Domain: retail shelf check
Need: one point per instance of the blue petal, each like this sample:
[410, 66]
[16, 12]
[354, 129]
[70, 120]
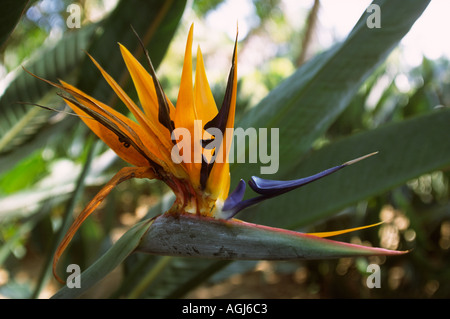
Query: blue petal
[234, 203]
[267, 189]
[232, 211]
[270, 188]
[235, 197]
[274, 187]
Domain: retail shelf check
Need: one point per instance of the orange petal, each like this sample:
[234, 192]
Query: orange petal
[130, 155]
[146, 145]
[123, 175]
[204, 101]
[185, 112]
[205, 106]
[123, 96]
[145, 89]
[343, 231]
[159, 146]
[218, 181]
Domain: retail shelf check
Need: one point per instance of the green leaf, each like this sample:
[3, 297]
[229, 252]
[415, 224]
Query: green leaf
[18, 122]
[67, 217]
[156, 26]
[107, 262]
[305, 105]
[181, 275]
[39, 139]
[10, 13]
[24, 174]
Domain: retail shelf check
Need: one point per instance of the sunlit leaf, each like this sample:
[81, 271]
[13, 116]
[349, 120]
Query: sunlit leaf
[305, 105]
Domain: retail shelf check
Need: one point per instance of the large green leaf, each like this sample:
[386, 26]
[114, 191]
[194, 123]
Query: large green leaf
[10, 13]
[156, 24]
[307, 103]
[18, 122]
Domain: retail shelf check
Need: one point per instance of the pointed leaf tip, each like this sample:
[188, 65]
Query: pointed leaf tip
[353, 161]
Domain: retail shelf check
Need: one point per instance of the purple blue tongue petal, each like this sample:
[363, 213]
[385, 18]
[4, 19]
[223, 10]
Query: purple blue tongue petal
[267, 188]
[275, 187]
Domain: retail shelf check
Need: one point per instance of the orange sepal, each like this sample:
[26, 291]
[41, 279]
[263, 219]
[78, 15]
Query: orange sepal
[219, 178]
[159, 142]
[124, 174]
[342, 231]
[145, 89]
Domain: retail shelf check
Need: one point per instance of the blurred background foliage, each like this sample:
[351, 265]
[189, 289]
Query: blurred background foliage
[51, 166]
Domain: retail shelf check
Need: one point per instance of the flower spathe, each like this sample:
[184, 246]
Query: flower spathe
[201, 187]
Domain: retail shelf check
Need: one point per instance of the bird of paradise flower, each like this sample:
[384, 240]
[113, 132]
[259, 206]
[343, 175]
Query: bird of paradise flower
[201, 220]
